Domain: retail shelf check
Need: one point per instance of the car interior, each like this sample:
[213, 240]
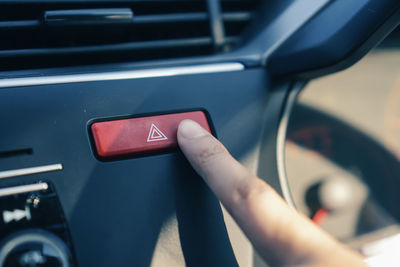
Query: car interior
[305, 94]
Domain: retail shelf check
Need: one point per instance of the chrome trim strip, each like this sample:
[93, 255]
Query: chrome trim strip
[281, 140]
[31, 170]
[23, 189]
[120, 75]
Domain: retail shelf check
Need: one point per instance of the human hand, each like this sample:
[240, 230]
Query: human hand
[281, 235]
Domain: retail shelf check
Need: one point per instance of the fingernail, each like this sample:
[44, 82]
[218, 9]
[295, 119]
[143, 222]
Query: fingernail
[190, 129]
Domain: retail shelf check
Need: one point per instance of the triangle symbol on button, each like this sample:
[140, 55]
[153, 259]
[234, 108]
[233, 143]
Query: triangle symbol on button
[155, 134]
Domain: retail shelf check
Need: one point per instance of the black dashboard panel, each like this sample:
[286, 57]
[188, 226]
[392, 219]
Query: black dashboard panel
[327, 44]
[131, 198]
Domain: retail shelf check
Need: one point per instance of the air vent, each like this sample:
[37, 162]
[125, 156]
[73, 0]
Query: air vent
[46, 33]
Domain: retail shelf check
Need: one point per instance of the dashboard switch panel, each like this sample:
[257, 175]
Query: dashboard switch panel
[141, 136]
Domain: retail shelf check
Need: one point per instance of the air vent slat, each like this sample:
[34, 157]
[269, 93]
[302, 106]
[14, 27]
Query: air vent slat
[138, 20]
[145, 19]
[158, 29]
[150, 45]
[170, 18]
[9, 25]
[236, 16]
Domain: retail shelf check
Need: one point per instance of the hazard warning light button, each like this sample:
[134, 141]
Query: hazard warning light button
[141, 136]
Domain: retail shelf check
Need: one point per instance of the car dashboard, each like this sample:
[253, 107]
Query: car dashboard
[74, 195]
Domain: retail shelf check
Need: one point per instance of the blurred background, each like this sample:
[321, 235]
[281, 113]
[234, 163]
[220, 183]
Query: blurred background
[343, 151]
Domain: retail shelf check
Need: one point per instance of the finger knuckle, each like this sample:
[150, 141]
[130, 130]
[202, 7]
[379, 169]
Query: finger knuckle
[250, 187]
[208, 153]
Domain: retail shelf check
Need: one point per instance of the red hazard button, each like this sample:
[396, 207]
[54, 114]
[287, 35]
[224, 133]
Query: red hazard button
[141, 136]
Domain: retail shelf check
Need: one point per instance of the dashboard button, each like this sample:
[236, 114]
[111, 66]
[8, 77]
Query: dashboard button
[141, 136]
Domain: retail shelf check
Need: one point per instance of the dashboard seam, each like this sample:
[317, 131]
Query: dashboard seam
[122, 75]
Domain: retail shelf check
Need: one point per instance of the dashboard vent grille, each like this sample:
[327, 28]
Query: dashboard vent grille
[157, 30]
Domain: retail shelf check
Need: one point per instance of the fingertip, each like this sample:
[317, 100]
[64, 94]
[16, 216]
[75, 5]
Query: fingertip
[189, 129]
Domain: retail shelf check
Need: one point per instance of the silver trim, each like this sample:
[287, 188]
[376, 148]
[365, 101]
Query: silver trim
[120, 75]
[23, 189]
[31, 170]
[281, 140]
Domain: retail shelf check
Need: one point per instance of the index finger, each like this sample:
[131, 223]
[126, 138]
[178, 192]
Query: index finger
[278, 232]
